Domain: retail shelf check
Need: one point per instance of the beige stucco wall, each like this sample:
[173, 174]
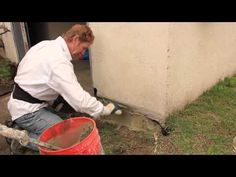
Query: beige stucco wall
[161, 66]
[200, 55]
[129, 63]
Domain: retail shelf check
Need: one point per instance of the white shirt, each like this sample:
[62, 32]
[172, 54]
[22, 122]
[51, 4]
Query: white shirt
[45, 72]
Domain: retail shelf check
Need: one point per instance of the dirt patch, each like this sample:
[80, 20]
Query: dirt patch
[5, 89]
[4, 115]
[6, 82]
[166, 146]
[201, 143]
[121, 140]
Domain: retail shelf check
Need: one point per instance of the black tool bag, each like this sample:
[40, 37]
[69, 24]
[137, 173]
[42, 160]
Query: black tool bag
[61, 105]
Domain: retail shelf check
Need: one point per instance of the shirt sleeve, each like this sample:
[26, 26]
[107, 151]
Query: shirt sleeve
[63, 80]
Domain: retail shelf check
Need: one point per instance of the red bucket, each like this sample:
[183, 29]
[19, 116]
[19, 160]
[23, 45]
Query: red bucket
[67, 135]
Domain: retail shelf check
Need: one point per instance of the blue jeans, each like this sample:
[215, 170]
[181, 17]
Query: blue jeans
[35, 123]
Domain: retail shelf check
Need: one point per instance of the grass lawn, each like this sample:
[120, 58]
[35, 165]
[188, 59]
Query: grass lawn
[206, 126]
[5, 70]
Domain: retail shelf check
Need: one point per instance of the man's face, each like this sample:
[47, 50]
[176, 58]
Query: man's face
[79, 49]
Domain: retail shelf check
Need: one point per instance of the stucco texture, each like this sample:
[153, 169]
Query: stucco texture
[160, 67]
[200, 55]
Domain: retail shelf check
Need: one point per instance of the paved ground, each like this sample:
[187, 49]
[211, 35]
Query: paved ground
[5, 89]
[83, 73]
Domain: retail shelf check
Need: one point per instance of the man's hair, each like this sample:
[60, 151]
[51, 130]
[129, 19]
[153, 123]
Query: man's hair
[84, 32]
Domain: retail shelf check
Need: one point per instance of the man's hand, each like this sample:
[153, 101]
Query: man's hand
[108, 109]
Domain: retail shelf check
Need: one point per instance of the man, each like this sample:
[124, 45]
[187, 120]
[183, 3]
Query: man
[46, 72]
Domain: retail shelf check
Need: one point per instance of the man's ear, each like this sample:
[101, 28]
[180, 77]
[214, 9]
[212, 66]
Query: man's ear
[77, 40]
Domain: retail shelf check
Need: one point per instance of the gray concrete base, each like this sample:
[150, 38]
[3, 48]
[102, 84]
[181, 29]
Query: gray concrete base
[133, 121]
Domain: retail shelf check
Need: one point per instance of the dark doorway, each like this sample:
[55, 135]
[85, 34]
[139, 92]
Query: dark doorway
[37, 32]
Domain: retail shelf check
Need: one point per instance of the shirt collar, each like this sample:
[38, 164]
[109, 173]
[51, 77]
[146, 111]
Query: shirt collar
[64, 46]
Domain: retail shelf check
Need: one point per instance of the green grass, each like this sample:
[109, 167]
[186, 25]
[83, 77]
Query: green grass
[208, 125]
[5, 70]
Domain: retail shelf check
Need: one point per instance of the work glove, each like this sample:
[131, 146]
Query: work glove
[107, 110]
[111, 108]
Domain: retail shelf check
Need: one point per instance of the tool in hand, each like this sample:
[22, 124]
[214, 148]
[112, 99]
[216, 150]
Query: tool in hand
[23, 138]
